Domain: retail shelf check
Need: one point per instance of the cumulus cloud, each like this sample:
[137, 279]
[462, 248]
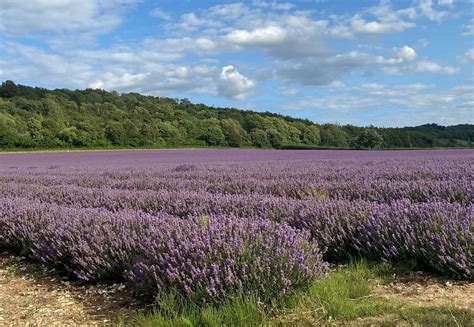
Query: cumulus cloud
[359, 25]
[44, 68]
[426, 9]
[324, 69]
[274, 5]
[406, 53]
[405, 104]
[405, 62]
[160, 13]
[110, 81]
[259, 36]
[295, 36]
[29, 17]
[233, 84]
[382, 19]
[426, 66]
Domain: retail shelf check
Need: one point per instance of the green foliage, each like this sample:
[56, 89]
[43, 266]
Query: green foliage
[234, 134]
[333, 135]
[275, 138]
[259, 138]
[8, 131]
[310, 134]
[211, 132]
[337, 294]
[40, 118]
[171, 312]
[345, 297]
[369, 139]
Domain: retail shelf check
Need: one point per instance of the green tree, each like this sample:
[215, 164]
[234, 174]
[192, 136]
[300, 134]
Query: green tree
[259, 138]
[8, 132]
[132, 133]
[310, 134]
[212, 132]
[34, 129]
[70, 135]
[276, 138]
[332, 135]
[115, 133]
[369, 139]
[170, 133]
[233, 132]
[9, 89]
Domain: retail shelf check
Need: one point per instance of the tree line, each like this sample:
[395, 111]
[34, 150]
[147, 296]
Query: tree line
[32, 117]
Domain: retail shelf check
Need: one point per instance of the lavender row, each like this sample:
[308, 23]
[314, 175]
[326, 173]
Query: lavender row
[204, 258]
[461, 191]
[382, 181]
[438, 235]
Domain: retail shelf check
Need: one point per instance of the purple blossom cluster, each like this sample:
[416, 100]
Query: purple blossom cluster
[203, 257]
[214, 223]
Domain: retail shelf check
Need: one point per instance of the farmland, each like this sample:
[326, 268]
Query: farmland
[212, 225]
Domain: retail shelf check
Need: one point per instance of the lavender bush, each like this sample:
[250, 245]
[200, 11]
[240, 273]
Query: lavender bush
[210, 258]
[204, 258]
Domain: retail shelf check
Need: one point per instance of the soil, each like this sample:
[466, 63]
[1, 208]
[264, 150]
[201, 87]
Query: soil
[34, 296]
[424, 289]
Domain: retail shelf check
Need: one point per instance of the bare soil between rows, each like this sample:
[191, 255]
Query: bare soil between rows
[33, 296]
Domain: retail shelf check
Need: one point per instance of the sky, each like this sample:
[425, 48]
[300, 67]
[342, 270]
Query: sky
[383, 63]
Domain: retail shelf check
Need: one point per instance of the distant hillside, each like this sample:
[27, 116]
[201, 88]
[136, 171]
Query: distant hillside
[40, 118]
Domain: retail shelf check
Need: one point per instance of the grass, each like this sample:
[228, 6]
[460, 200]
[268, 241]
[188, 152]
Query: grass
[170, 312]
[344, 297]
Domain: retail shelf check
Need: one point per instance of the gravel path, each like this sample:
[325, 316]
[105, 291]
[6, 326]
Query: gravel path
[424, 289]
[31, 296]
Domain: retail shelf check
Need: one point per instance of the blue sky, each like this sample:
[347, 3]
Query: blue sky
[386, 63]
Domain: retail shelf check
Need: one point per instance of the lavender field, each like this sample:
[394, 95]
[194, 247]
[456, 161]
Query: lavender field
[213, 223]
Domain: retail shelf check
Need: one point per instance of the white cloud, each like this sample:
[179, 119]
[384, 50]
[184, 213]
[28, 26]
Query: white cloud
[426, 66]
[295, 36]
[143, 70]
[445, 2]
[110, 81]
[160, 13]
[426, 9]
[383, 20]
[259, 36]
[359, 25]
[322, 70]
[274, 5]
[405, 104]
[469, 28]
[406, 63]
[470, 54]
[468, 57]
[44, 68]
[406, 53]
[30, 17]
[234, 85]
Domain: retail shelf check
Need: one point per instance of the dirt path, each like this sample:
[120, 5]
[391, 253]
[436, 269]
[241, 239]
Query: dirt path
[424, 289]
[31, 296]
